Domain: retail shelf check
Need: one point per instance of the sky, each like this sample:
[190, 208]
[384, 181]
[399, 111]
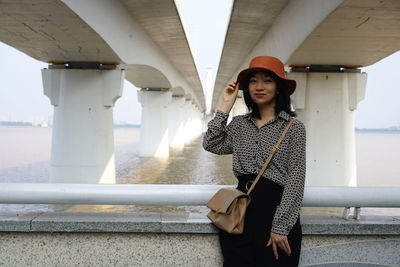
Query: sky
[21, 89]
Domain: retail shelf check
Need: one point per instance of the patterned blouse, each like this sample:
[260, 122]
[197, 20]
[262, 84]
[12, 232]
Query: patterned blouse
[251, 146]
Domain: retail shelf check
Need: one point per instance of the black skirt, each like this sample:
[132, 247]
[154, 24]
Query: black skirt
[250, 248]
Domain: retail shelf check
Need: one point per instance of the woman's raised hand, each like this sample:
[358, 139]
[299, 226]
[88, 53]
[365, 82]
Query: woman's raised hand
[229, 97]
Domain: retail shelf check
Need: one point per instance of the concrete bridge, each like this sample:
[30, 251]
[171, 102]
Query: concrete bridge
[92, 46]
[323, 44]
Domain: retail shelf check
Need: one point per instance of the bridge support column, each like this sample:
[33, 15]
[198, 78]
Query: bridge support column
[193, 122]
[196, 122]
[193, 127]
[176, 122]
[83, 136]
[239, 108]
[154, 124]
[206, 119]
[188, 126]
[201, 117]
[325, 102]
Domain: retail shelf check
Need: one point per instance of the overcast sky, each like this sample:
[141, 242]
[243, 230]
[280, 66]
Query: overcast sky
[22, 98]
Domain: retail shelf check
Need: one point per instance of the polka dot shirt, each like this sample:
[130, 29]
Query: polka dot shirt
[251, 147]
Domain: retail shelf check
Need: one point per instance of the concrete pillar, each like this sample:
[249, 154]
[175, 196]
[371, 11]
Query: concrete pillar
[154, 124]
[83, 139]
[193, 121]
[325, 103]
[239, 108]
[206, 119]
[176, 122]
[188, 129]
[197, 121]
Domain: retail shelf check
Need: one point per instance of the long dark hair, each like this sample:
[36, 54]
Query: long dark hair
[282, 100]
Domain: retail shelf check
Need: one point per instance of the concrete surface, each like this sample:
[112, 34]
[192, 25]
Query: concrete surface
[180, 239]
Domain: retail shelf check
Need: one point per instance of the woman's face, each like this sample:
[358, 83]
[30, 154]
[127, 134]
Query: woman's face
[262, 89]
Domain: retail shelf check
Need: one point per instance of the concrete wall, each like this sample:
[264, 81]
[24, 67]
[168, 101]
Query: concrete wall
[177, 249]
[180, 239]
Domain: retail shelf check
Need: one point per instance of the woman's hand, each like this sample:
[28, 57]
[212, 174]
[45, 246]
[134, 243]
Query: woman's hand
[229, 97]
[281, 241]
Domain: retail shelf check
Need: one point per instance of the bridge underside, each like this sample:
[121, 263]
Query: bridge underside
[326, 42]
[357, 33]
[146, 38]
[350, 33]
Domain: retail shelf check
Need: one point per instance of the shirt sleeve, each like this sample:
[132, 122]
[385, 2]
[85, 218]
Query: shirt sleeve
[218, 138]
[287, 211]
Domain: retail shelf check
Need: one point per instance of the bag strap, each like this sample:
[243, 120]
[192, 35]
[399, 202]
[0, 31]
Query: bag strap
[274, 149]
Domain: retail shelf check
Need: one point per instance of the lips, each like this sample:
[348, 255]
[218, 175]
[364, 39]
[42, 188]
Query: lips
[259, 95]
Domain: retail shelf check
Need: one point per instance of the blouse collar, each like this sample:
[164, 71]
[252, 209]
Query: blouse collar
[283, 114]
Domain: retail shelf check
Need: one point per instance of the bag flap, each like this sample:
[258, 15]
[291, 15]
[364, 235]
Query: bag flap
[222, 200]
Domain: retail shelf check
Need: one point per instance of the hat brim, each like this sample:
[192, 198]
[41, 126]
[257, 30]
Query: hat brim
[290, 84]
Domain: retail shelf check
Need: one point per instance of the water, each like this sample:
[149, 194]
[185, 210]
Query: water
[378, 161]
[26, 152]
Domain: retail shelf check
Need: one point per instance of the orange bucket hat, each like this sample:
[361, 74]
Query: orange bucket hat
[268, 63]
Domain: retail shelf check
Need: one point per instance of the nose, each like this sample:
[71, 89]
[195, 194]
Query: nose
[259, 85]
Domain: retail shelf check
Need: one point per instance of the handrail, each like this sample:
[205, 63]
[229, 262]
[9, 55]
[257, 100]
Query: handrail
[181, 195]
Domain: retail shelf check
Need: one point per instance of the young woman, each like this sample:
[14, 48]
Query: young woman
[272, 231]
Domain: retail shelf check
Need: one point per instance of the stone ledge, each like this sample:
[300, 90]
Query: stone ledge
[180, 223]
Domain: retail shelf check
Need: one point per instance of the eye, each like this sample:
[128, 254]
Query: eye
[267, 80]
[253, 80]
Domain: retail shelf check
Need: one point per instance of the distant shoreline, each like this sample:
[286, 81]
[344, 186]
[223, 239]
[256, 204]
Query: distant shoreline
[17, 123]
[126, 125]
[382, 130]
[29, 124]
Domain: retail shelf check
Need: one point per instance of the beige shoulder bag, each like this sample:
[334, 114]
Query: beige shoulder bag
[228, 206]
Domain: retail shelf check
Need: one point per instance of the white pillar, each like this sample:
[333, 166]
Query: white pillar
[325, 103]
[187, 107]
[204, 123]
[176, 122]
[239, 108]
[197, 120]
[206, 119]
[154, 124]
[83, 139]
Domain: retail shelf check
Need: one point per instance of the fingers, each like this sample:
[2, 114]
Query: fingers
[282, 243]
[285, 247]
[232, 86]
[275, 250]
[288, 250]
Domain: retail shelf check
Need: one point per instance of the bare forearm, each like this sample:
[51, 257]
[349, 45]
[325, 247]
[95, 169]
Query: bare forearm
[226, 107]
[229, 97]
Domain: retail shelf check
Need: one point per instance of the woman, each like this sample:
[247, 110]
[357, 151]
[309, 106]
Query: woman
[272, 232]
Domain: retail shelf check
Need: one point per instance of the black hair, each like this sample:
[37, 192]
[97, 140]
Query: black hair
[282, 100]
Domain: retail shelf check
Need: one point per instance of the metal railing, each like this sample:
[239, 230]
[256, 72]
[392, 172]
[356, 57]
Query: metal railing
[184, 195]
